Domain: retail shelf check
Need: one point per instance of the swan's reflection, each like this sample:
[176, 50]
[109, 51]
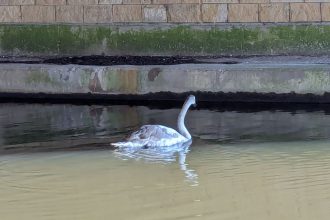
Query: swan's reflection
[165, 155]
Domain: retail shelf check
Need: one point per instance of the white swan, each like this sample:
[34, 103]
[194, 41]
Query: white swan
[159, 135]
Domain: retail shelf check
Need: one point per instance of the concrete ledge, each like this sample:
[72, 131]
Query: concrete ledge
[289, 82]
[164, 39]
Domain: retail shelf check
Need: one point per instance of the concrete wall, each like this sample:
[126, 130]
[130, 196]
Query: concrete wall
[212, 82]
[166, 11]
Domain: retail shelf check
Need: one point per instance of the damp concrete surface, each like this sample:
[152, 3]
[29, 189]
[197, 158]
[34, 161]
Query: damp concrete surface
[215, 79]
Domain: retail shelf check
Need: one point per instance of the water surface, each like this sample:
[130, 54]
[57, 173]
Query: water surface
[56, 163]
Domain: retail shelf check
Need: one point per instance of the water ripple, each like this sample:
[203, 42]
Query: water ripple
[165, 155]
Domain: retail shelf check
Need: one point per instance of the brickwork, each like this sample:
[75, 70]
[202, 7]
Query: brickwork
[164, 11]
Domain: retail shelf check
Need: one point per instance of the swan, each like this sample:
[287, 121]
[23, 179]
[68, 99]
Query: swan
[159, 135]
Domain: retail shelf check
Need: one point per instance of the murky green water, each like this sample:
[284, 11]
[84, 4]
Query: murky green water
[56, 163]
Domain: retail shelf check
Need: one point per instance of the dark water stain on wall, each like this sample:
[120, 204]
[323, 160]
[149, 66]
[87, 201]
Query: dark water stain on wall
[153, 73]
[94, 84]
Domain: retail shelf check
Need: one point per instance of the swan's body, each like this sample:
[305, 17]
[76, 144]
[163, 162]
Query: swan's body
[153, 136]
[159, 135]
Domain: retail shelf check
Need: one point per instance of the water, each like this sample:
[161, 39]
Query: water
[56, 163]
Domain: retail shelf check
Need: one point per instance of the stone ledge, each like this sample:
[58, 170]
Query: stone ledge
[290, 82]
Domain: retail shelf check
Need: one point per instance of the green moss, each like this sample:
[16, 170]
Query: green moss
[179, 40]
[317, 80]
[29, 38]
[85, 77]
[301, 39]
[112, 81]
[183, 40]
[37, 77]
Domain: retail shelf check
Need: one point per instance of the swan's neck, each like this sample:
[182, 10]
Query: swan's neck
[181, 126]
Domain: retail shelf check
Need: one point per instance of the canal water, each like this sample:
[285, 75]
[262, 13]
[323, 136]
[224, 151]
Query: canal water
[56, 163]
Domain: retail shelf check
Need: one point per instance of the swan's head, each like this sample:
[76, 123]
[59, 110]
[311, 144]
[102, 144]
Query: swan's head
[191, 100]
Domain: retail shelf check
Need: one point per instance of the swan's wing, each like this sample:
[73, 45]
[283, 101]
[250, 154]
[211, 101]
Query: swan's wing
[155, 132]
[156, 135]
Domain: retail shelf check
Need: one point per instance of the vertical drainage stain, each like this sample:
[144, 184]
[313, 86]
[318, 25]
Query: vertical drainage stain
[94, 84]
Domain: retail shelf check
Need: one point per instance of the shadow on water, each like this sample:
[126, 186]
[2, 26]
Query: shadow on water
[35, 128]
[30, 128]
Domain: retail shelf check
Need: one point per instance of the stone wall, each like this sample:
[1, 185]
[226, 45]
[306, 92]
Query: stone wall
[163, 11]
[290, 81]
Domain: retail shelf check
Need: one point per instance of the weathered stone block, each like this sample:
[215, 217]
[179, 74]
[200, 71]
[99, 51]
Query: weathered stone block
[214, 12]
[190, 1]
[325, 11]
[82, 2]
[166, 1]
[110, 2]
[51, 2]
[243, 12]
[16, 2]
[184, 13]
[317, 1]
[220, 1]
[38, 14]
[305, 12]
[70, 13]
[154, 13]
[127, 13]
[253, 1]
[274, 12]
[10, 14]
[98, 14]
[284, 1]
[143, 2]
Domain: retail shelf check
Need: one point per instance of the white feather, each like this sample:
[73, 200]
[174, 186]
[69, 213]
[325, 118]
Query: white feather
[153, 136]
[159, 135]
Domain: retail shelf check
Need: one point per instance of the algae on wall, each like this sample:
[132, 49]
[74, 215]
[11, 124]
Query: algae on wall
[76, 40]
[36, 77]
